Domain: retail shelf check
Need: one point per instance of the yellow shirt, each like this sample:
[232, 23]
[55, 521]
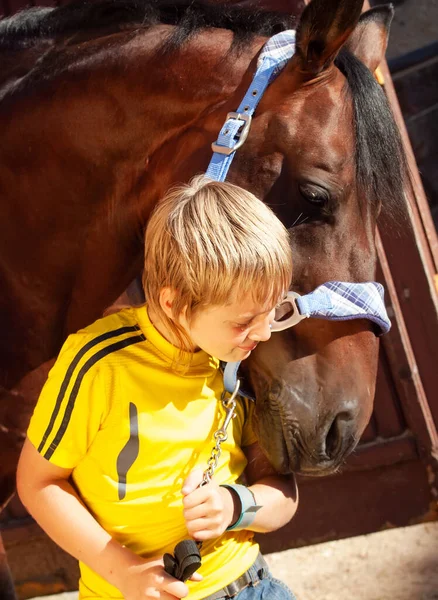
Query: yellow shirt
[132, 425]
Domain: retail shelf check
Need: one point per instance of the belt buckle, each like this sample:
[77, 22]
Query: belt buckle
[245, 580]
[232, 589]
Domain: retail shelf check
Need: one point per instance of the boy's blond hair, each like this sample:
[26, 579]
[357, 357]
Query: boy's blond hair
[213, 243]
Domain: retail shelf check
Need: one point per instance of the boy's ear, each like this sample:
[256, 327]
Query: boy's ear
[167, 297]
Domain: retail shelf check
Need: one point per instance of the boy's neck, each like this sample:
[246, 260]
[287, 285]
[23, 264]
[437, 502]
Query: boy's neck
[161, 327]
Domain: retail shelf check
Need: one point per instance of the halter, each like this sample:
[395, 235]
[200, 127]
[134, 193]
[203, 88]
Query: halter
[338, 301]
[334, 300]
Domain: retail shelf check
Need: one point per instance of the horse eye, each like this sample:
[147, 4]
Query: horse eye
[314, 194]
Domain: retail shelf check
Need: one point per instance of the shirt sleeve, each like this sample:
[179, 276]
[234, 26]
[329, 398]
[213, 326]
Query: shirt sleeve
[248, 435]
[71, 407]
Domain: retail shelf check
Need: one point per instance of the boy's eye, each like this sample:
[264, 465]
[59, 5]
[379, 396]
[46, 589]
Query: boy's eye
[243, 325]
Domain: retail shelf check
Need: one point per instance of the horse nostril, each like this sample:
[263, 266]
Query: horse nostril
[332, 440]
[337, 433]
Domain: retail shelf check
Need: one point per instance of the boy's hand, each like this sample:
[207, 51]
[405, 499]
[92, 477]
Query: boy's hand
[208, 510]
[148, 580]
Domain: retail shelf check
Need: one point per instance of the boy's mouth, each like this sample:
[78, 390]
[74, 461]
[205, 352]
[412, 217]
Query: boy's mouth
[248, 348]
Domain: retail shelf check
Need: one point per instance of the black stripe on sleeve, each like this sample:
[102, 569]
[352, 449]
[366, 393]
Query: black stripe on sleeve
[75, 390]
[101, 338]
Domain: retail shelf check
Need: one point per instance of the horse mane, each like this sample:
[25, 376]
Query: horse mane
[29, 26]
[381, 164]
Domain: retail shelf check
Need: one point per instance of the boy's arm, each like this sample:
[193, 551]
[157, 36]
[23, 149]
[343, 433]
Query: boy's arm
[210, 509]
[276, 494]
[46, 492]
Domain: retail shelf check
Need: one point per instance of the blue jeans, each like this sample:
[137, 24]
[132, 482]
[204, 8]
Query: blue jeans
[263, 587]
[267, 589]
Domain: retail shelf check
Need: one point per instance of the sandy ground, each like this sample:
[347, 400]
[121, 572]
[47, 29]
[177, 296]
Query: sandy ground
[398, 564]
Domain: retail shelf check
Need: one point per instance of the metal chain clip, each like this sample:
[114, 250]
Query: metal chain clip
[187, 554]
[221, 435]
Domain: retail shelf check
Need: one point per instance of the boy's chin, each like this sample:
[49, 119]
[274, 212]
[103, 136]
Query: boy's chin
[235, 355]
[239, 354]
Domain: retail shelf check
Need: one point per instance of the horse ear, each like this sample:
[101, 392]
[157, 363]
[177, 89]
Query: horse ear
[369, 40]
[323, 28]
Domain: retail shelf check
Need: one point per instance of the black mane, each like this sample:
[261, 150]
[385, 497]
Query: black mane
[29, 26]
[381, 164]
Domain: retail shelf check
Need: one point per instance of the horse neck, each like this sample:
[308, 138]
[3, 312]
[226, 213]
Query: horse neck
[185, 95]
[202, 74]
[163, 110]
[132, 122]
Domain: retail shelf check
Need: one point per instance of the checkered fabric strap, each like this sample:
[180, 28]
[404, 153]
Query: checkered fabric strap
[342, 301]
[273, 57]
[335, 301]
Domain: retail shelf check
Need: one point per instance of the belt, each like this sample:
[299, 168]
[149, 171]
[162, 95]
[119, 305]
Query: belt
[258, 571]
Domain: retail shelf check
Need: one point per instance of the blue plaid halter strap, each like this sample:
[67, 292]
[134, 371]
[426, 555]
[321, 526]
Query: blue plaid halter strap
[334, 300]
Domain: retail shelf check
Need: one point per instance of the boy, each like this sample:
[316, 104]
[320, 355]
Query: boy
[131, 405]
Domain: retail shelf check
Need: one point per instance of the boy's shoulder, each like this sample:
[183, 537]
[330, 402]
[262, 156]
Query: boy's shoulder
[124, 318]
[102, 338]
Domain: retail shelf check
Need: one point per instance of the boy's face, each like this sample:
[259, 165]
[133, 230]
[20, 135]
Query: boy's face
[230, 332]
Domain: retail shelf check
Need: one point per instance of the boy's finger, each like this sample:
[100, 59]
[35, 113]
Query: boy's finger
[196, 577]
[197, 512]
[196, 497]
[175, 588]
[197, 525]
[192, 481]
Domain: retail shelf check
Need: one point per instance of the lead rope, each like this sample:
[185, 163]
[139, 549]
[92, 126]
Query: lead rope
[186, 558]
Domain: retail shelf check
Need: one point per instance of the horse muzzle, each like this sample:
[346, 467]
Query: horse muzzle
[297, 435]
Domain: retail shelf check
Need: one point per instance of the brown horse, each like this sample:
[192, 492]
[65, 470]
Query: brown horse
[115, 103]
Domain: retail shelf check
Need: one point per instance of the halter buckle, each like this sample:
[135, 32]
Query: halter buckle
[296, 316]
[242, 134]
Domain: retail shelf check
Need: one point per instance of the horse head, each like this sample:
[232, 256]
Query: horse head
[327, 159]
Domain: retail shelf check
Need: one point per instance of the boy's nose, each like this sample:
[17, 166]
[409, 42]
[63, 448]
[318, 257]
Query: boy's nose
[261, 332]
